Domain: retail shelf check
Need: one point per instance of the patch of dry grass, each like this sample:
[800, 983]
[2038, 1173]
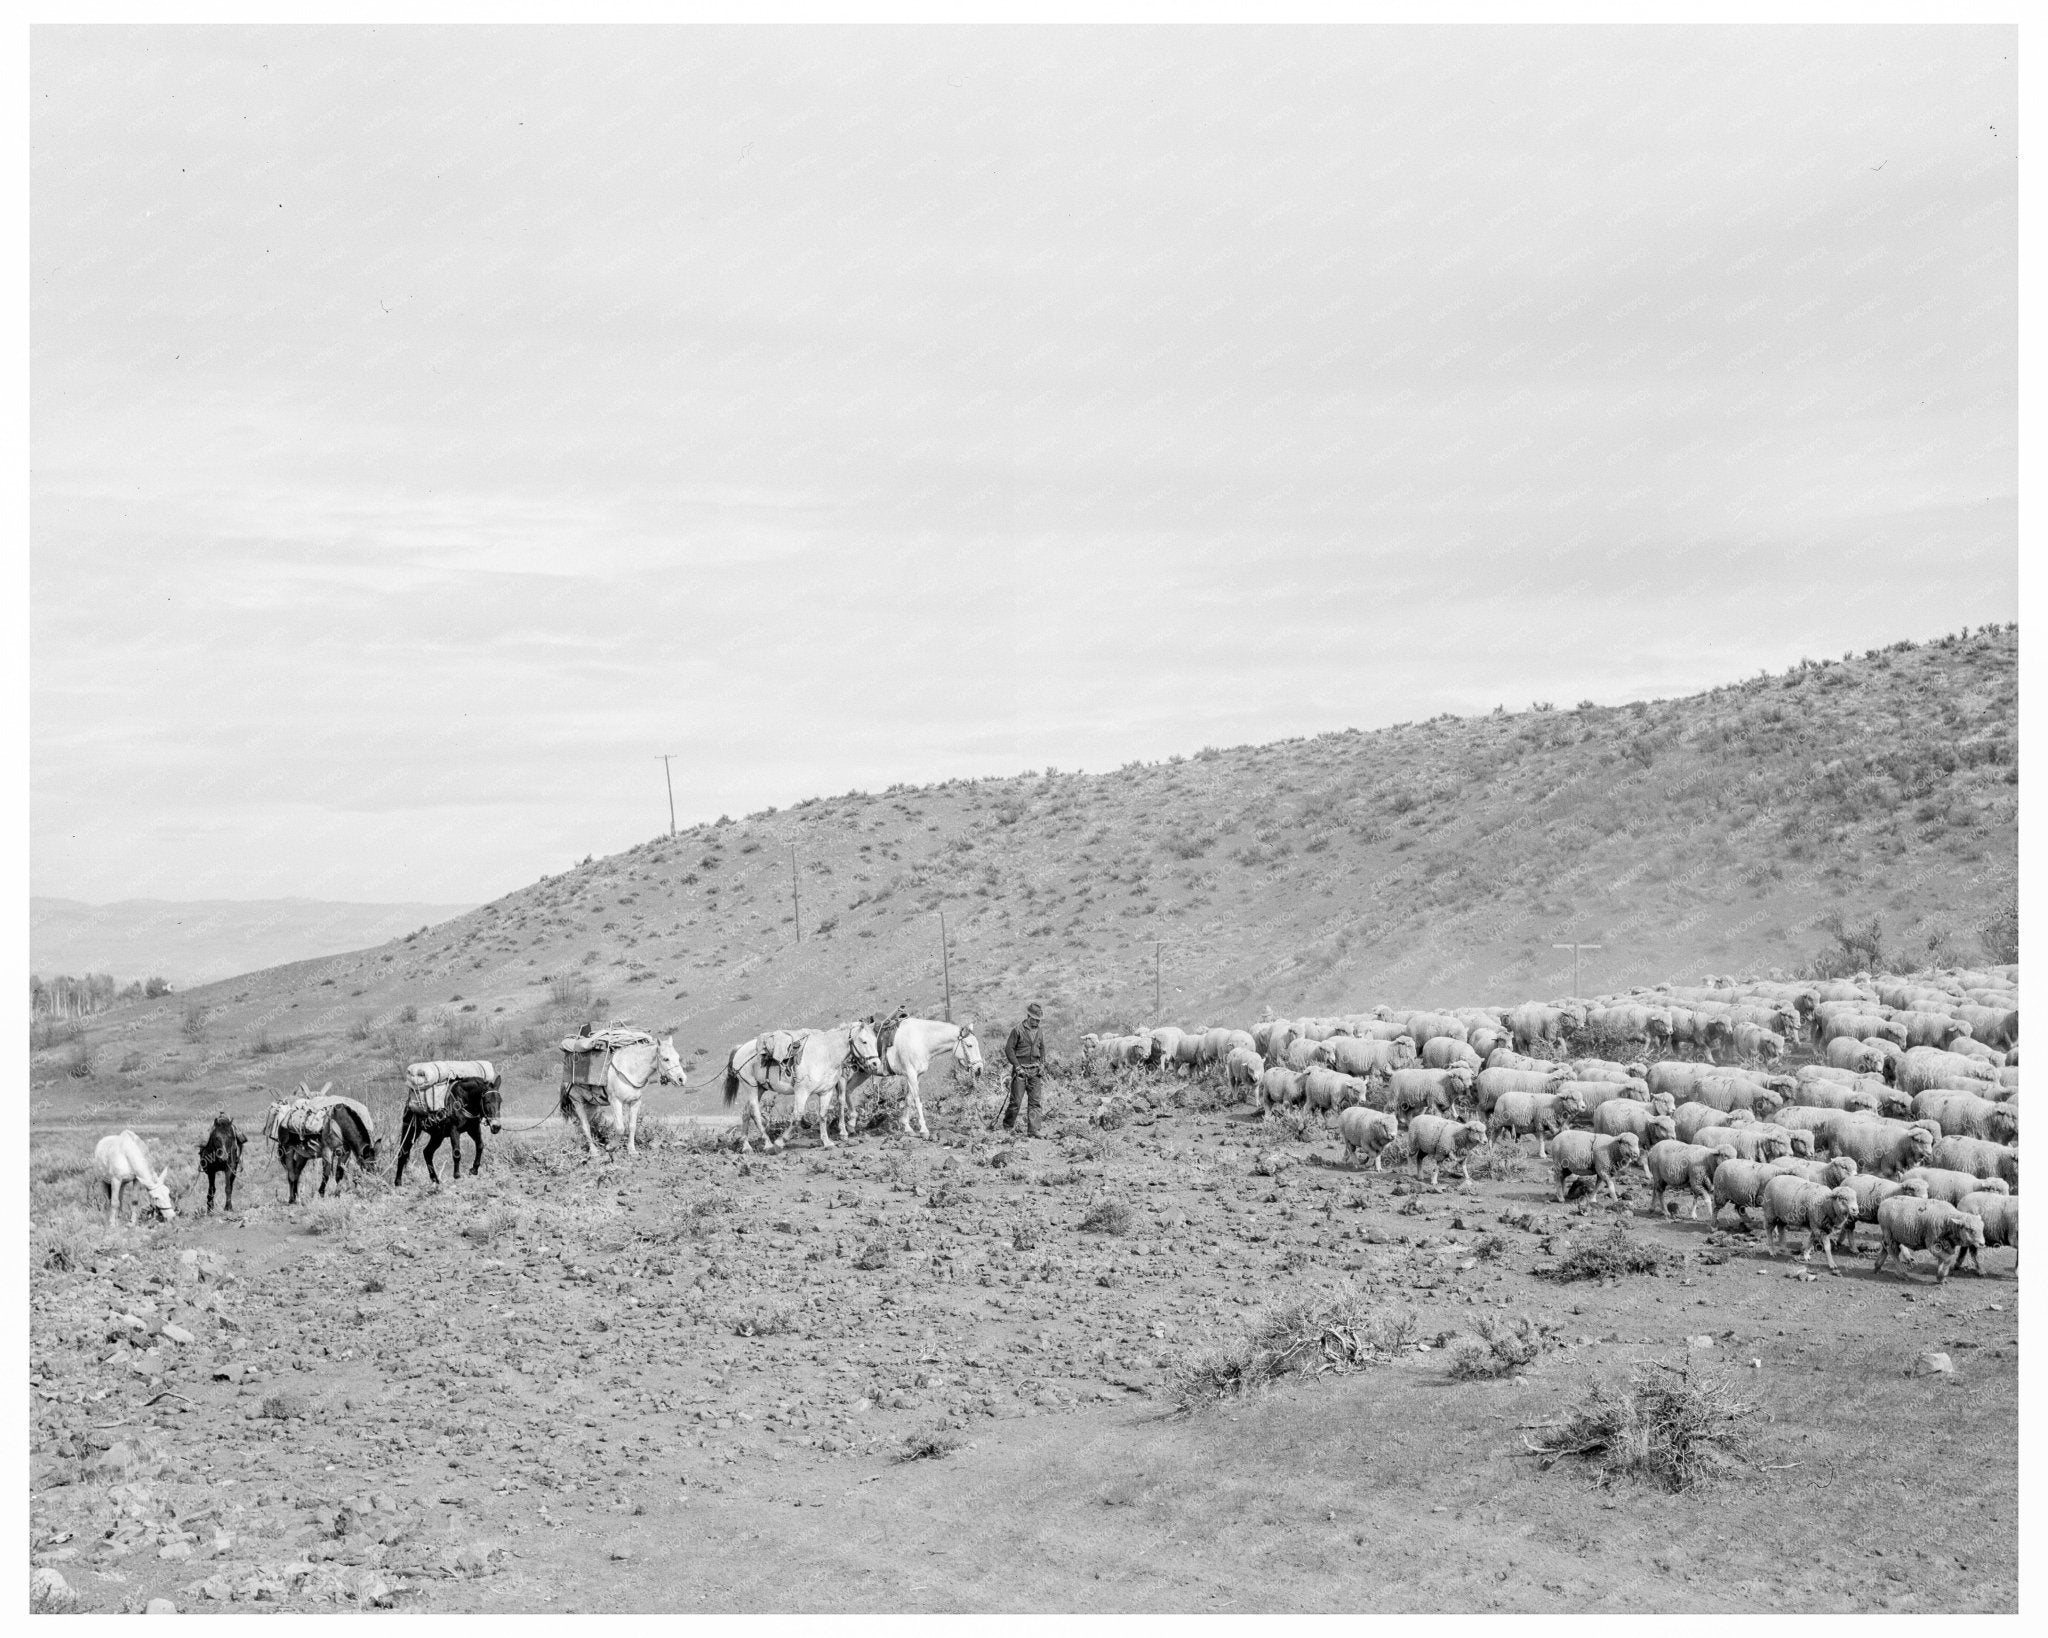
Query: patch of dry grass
[1338, 1332]
[1673, 1425]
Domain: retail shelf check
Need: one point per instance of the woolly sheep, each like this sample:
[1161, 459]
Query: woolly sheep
[1587, 1155]
[1933, 1226]
[2001, 1216]
[1365, 1132]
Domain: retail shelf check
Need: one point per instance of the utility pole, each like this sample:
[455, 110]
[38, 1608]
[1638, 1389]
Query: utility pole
[1155, 979]
[1575, 949]
[793, 899]
[945, 966]
[669, 780]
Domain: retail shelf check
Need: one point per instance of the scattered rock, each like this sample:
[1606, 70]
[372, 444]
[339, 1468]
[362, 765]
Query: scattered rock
[160, 1606]
[49, 1590]
[1934, 1365]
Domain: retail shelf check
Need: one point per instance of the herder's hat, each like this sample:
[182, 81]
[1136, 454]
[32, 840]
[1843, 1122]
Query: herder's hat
[1034, 1011]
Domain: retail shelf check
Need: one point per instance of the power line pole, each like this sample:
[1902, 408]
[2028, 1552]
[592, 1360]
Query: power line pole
[945, 966]
[669, 780]
[1155, 978]
[1575, 949]
[793, 899]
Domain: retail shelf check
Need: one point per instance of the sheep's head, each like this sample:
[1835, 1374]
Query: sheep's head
[1773, 1146]
[1662, 1103]
[1966, 1228]
[1626, 1148]
[1801, 1141]
[1841, 1207]
[1919, 1145]
[1469, 1135]
[1659, 1129]
[1839, 1170]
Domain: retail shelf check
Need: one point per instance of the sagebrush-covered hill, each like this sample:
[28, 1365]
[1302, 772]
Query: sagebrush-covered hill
[1428, 862]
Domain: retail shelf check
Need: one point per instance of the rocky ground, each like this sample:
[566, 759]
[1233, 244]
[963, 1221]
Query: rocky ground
[941, 1375]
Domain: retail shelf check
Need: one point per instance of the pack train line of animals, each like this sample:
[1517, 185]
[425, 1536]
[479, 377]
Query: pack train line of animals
[1905, 1114]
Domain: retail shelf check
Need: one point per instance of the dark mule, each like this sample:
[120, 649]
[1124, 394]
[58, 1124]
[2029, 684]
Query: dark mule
[221, 1153]
[342, 1139]
[470, 1104]
[295, 1152]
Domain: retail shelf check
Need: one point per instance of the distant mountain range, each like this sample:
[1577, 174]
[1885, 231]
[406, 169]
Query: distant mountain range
[203, 940]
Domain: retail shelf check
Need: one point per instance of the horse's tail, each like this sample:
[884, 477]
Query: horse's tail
[732, 1077]
[565, 1106]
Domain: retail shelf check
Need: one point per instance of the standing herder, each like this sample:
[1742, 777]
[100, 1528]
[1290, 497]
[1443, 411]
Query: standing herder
[1025, 1049]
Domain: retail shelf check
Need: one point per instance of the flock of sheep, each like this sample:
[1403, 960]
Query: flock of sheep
[1902, 1110]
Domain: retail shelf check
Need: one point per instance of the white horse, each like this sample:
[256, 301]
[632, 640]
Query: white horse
[627, 1072]
[121, 1159]
[918, 1041]
[822, 1058]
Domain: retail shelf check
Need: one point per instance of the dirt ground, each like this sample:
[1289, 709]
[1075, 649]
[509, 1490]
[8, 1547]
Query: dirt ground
[690, 1379]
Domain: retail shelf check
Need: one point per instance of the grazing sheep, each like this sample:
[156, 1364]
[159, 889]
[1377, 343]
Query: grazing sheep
[1437, 1090]
[1995, 1026]
[1689, 1166]
[1619, 1115]
[1980, 1159]
[1792, 1202]
[1739, 1183]
[1538, 1114]
[1964, 1114]
[1604, 1069]
[2001, 1215]
[1886, 1147]
[1872, 1192]
[1440, 1052]
[1926, 1069]
[1755, 1141]
[1798, 1140]
[1534, 1024]
[1351, 1056]
[1690, 1119]
[1301, 1053]
[1366, 1132]
[1164, 1050]
[1677, 1078]
[1930, 1029]
[1243, 1067]
[1435, 1139]
[1324, 1091]
[1578, 1156]
[1592, 1094]
[1845, 1052]
[1833, 1173]
[120, 1159]
[1819, 1094]
[1933, 1226]
[1755, 1041]
[1730, 1091]
[1941, 1183]
[1490, 1083]
[1278, 1088]
[1504, 1058]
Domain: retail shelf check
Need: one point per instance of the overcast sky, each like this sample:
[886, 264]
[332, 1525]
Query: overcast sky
[431, 427]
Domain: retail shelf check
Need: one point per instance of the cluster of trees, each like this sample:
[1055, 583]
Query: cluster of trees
[66, 996]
